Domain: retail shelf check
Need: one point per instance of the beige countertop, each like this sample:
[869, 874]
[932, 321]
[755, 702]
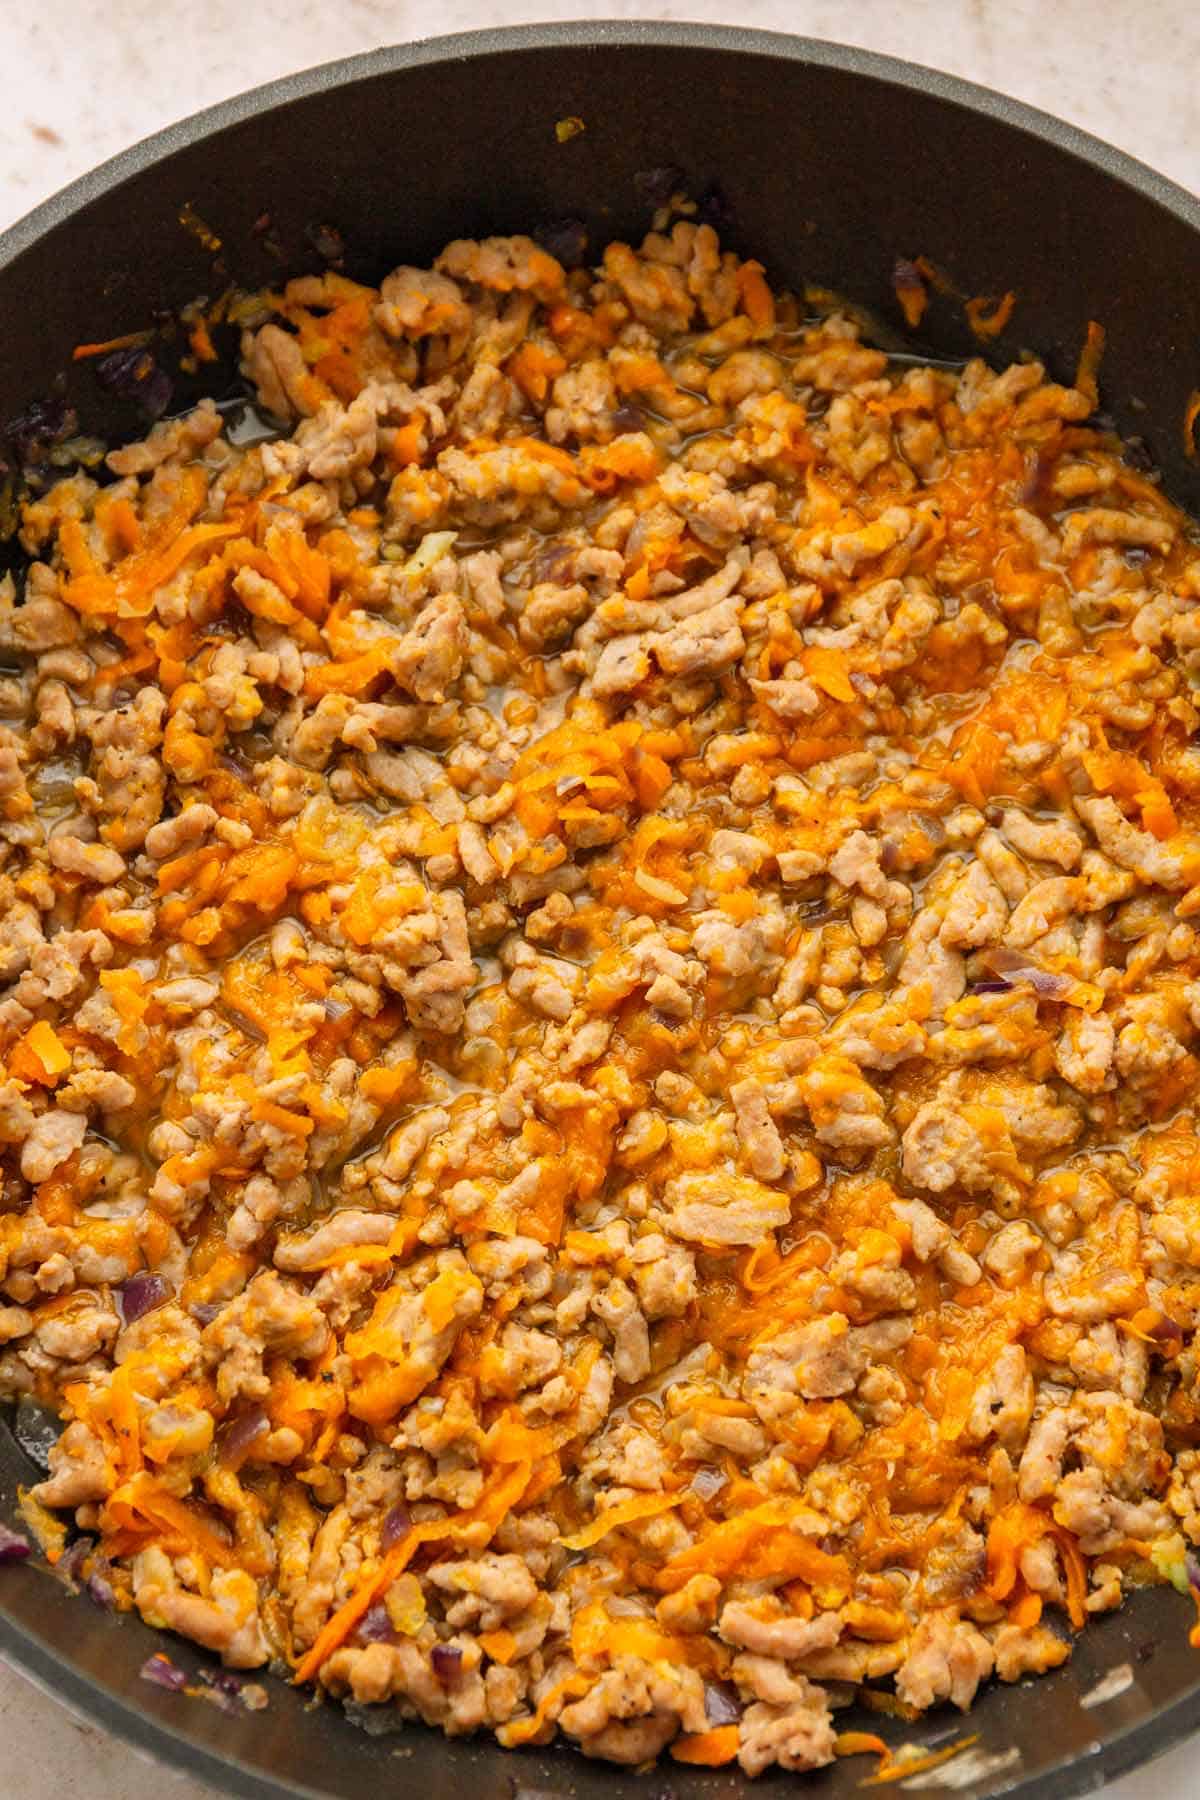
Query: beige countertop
[82, 82]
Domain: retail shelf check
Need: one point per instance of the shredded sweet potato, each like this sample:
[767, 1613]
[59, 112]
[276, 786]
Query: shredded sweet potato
[601, 1006]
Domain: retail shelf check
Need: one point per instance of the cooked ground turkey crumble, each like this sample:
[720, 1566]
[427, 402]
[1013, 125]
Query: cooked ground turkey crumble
[600, 1010]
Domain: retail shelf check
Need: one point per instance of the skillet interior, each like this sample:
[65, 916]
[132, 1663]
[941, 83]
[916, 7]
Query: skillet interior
[831, 163]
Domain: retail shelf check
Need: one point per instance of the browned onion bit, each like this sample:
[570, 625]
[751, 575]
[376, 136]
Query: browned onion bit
[70, 1564]
[141, 1294]
[328, 243]
[1192, 1565]
[707, 1482]
[656, 186]
[721, 1703]
[375, 1626]
[161, 1672]
[13, 1547]
[224, 1687]
[1036, 467]
[552, 561]
[446, 1661]
[395, 1524]
[98, 1588]
[1015, 966]
[134, 375]
[714, 207]
[1168, 1335]
[906, 279]
[44, 422]
[566, 240]
[239, 1435]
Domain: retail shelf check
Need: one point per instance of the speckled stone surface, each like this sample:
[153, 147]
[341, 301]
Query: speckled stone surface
[82, 82]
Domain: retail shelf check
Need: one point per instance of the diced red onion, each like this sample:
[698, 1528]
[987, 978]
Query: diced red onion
[98, 1588]
[996, 986]
[1168, 1334]
[1000, 960]
[141, 1294]
[1049, 984]
[552, 561]
[1136, 453]
[134, 375]
[96, 1584]
[446, 1661]
[161, 1672]
[204, 1312]
[44, 422]
[713, 207]
[375, 1626]
[328, 243]
[13, 1547]
[224, 1687]
[629, 418]
[395, 1524]
[70, 1563]
[721, 1703]
[1035, 474]
[906, 277]
[565, 239]
[656, 186]
[1014, 965]
[707, 1482]
[1192, 1565]
[223, 1702]
[239, 1435]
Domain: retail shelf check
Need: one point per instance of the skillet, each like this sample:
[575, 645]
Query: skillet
[828, 163]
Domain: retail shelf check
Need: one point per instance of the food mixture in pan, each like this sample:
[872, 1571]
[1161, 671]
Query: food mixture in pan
[602, 996]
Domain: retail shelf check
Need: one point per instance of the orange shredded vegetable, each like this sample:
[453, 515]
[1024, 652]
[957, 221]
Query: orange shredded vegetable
[128, 341]
[987, 317]
[1190, 416]
[707, 1749]
[899, 1767]
[626, 1512]
[497, 1502]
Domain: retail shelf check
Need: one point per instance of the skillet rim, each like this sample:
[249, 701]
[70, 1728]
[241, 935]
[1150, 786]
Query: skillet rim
[127, 1717]
[1119, 165]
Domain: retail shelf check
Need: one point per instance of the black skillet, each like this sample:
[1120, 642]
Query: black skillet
[827, 163]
